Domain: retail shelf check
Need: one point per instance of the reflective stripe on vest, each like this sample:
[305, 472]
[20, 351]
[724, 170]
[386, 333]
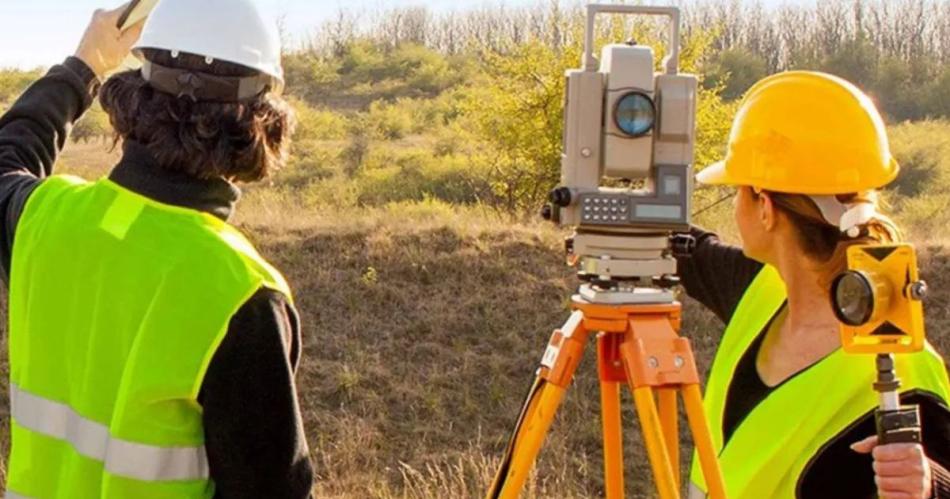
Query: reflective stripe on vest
[770, 449]
[117, 306]
[92, 439]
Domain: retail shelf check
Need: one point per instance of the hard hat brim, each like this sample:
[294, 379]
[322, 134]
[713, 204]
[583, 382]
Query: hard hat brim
[715, 174]
[718, 174]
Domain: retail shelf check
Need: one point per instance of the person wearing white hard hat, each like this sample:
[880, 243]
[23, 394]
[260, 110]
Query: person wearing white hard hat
[152, 349]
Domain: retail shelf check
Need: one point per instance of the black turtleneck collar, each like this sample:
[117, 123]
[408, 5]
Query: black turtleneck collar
[138, 172]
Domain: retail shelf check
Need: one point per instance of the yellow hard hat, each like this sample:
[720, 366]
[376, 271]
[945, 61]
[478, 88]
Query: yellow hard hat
[804, 132]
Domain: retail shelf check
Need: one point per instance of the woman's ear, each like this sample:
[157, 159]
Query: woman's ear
[767, 212]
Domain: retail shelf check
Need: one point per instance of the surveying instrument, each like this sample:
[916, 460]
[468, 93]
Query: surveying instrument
[624, 125]
[878, 301]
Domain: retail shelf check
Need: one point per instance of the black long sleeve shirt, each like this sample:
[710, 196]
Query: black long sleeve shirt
[253, 429]
[717, 275]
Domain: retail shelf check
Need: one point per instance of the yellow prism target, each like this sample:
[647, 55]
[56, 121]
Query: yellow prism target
[879, 300]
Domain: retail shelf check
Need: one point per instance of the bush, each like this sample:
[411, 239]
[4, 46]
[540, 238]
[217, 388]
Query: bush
[735, 71]
[311, 78]
[357, 147]
[424, 71]
[921, 194]
[311, 160]
[336, 192]
[317, 124]
[405, 116]
[14, 82]
[94, 125]
[390, 121]
[417, 176]
[365, 70]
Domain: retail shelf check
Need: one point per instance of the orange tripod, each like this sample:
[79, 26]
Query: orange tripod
[638, 345]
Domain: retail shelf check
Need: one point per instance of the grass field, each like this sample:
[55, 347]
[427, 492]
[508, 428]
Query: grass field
[427, 292]
[423, 325]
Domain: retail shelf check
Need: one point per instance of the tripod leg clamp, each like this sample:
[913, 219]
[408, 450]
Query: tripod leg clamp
[899, 426]
[564, 352]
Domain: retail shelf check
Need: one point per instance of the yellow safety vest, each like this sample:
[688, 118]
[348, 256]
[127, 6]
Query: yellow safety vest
[117, 306]
[769, 450]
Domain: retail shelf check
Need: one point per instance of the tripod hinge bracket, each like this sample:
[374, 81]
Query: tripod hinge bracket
[565, 351]
[661, 362]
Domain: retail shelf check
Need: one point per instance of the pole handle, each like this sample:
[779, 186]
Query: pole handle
[898, 426]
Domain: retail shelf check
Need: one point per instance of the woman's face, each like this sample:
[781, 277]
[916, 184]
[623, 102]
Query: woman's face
[752, 223]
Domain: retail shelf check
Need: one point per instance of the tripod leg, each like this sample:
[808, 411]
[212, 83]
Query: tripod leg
[527, 441]
[693, 400]
[669, 418]
[613, 439]
[655, 442]
[611, 374]
[560, 360]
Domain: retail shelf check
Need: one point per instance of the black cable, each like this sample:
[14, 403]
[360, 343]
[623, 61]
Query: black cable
[716, 203]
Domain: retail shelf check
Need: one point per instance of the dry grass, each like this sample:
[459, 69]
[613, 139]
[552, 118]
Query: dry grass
[423, 326]
[90, 160]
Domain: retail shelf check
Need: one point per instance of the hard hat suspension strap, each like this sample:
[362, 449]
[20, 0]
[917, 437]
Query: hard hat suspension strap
[204, 87]
[847, 217]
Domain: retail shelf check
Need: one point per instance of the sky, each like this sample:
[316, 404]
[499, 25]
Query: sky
[43, 32]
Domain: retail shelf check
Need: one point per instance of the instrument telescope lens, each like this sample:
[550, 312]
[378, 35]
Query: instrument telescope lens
[635, 114]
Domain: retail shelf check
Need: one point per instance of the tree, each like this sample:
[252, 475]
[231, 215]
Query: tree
[14, 82]
[94, 125]
[515, 116]
[735, 71]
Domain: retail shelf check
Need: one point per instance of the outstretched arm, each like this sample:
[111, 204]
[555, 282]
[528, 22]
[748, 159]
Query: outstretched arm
[716, 274]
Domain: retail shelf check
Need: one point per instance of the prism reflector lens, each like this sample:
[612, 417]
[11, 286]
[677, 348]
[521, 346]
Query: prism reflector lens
[853, 298]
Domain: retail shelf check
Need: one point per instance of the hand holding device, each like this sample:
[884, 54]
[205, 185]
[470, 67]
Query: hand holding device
[105, 45]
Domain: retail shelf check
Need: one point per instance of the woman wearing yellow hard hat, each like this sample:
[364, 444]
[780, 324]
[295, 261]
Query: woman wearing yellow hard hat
[791, 414]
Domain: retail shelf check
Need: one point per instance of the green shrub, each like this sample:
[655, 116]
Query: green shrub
[311, 160]
[336, 192]
[735, 70]
[397, 119]
[317, 124]
[314, 79]
[390, 121]
[94, 125]
[358, 145]
[14, 82]
[921, 194]
[417, 176]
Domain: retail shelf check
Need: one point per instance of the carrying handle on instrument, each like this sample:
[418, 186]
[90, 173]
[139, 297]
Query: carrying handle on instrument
[671, 62]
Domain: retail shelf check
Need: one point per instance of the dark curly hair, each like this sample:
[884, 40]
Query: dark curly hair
[240, 141]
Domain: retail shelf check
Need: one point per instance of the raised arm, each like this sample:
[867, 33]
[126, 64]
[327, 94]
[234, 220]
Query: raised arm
[35, 129]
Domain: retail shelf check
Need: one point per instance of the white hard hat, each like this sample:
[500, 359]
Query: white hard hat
[235, 31]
